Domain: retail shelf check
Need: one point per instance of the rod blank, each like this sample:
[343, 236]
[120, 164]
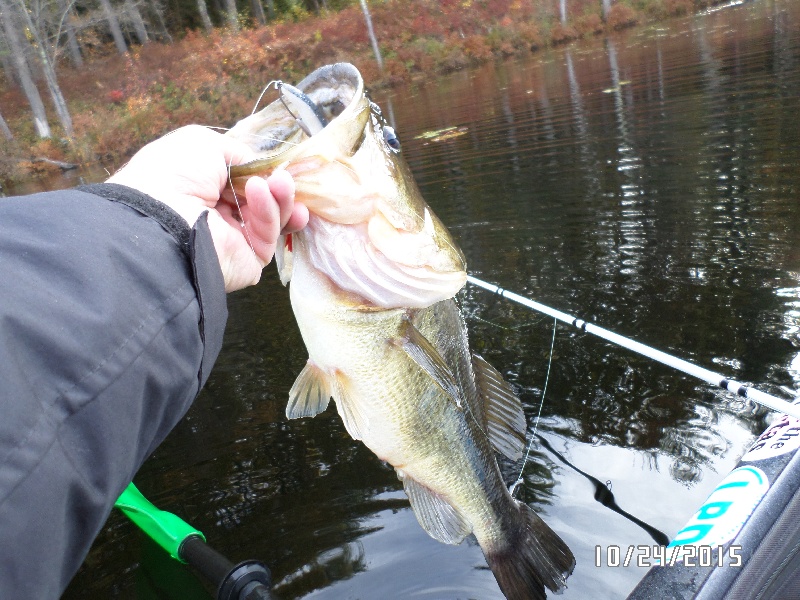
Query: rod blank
[735, 387]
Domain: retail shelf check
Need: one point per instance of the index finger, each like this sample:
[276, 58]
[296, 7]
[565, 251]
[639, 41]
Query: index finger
[235, 151]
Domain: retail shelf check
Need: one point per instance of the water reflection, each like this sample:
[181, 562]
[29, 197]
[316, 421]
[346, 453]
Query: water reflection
[603, 494]
[647, 183]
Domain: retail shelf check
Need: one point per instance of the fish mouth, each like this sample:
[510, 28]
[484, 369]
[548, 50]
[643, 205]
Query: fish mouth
[346, 164]
[326, 181]
[275, 133]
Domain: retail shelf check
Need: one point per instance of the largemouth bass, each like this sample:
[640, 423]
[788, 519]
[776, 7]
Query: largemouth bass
[373, 277]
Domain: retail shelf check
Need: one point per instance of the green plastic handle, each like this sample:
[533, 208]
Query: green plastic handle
[166, 529]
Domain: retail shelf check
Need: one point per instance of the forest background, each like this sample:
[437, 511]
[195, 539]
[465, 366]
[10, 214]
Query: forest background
[88, 81]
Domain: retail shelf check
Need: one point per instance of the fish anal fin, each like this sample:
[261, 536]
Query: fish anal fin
[355, 422]
[422, 352]
[311, 392]
[436, 516]
[504, 416]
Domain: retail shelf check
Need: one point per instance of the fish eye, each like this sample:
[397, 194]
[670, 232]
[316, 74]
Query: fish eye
[391, 138]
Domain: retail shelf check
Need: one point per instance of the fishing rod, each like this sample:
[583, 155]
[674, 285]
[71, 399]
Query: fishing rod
[248, 580]
[730, 385]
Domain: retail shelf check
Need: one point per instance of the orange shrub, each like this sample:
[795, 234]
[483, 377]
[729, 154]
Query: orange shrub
[14, 104]
[48, 148]
[476, 48]
[395, 70]
[589, 24]
[561, 34]
[530, 34]
[369, 69]
[497, 7]
[426, 63]
[679, 7]
[425, 25]
[452, 57]
[621, 16]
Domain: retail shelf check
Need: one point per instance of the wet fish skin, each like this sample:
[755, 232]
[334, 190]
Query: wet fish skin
[441, 452]
[373, 278]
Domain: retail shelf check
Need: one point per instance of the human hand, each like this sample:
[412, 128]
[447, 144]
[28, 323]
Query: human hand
[187, 171]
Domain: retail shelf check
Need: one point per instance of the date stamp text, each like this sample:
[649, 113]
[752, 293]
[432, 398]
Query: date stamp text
[652, 556]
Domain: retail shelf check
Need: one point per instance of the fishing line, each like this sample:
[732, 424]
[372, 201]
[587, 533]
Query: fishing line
[274, 82]
[230, 179]
[255, 135]
[297, 118]
[519, 480]
[239, 208]
[504, 327]
[489, 307]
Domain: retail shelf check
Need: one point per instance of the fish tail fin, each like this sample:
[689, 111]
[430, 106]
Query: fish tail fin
[531, 558]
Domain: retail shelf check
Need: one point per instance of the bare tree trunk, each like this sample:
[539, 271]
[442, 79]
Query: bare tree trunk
[562, 9]
[65, 24]
[375, 48]
[4, 128]
[155, 8]
[59, 102]
[113, 24]
[203, 10]
[233, 14]
[606, 8]
[138, 23]
[258, 12]
[10, 27]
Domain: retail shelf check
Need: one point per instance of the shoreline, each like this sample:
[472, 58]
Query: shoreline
[120, 102]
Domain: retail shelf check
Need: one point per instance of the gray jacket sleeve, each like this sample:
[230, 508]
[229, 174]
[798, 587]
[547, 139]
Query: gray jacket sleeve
[112, 313]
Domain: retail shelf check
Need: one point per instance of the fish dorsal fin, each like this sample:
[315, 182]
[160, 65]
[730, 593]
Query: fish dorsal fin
[354, 420]
[436, 516]
[428, 358]
[283, 257]
[504, 416]
[311, 392]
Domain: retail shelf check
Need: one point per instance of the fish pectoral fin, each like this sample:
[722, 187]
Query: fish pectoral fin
[428, 358]
[349, 409]
[439, 518]
[311, 392]
[503, 409]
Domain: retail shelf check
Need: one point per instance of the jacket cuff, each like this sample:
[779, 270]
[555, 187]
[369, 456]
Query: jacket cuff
[171, 221]
[210, 287]
[197, 245]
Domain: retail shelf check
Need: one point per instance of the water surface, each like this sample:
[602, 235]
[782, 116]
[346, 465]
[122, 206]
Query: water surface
[649, 183]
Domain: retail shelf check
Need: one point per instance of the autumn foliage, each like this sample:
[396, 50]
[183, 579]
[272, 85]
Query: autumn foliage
[118, 103]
